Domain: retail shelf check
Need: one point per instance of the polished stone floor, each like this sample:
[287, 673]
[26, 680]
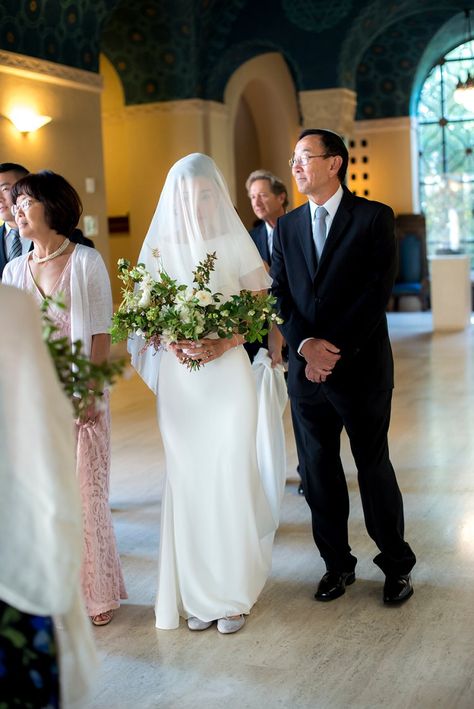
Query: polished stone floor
[295, 653]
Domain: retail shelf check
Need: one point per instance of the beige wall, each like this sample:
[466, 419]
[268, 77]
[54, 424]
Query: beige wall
[388, 150]
[72, 143]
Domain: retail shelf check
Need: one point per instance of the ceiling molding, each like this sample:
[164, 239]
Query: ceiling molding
[50, 72]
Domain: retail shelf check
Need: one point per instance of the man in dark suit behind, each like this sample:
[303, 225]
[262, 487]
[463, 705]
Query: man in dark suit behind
[332, 293]
[9, 173]
[269, 199]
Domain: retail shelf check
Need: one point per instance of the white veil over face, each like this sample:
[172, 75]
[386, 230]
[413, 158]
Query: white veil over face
[195, 216]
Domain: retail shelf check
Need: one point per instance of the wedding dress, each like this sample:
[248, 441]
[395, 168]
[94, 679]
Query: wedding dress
[216, 524]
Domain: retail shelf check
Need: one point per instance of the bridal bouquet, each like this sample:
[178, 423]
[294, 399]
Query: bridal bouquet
[163, 311]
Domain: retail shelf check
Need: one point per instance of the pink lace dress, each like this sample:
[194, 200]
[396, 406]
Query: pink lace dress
[101, 575]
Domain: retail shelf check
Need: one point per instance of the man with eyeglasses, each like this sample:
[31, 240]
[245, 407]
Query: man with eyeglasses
[11, 245]
[333, 268]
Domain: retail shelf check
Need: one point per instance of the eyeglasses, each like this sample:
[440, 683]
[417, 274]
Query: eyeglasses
[304, 159]
[23, 206]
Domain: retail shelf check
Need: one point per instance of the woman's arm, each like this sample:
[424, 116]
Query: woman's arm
[100, 351]
[100, 348]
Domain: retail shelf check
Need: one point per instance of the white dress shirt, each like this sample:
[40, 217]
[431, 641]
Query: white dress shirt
[331, 206]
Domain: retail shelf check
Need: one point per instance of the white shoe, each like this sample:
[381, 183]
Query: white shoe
[198, 624]
[230, 625]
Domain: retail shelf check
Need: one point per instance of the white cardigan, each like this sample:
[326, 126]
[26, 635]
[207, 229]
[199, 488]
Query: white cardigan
[91, 296]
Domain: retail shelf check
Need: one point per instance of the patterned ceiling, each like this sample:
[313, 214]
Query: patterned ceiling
[175, 49]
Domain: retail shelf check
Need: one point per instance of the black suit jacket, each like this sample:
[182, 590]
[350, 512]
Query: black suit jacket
[260, 239]
[3, 255]
[343, 298]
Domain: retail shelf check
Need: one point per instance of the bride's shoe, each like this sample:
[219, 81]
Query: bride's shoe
[230, 625]
[198, 624]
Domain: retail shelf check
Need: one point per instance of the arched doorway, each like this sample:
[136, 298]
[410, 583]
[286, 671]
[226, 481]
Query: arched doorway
[263, 124]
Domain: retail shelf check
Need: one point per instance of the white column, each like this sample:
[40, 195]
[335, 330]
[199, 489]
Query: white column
[450, 292]
[333, 109]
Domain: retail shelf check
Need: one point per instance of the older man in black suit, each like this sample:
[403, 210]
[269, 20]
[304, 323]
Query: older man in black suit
[269, 199]
[333, 267]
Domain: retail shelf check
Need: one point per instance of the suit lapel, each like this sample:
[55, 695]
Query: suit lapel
[3, 255]
[264, 243]
[305, 237]
[339, 224]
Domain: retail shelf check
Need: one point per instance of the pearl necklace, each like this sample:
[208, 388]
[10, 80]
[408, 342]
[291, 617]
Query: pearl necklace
[58, 252]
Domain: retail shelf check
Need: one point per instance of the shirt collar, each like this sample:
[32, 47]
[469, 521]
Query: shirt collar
[331, 205]
[269, 229]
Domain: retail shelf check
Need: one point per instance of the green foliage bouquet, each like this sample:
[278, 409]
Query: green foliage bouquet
[163, 311]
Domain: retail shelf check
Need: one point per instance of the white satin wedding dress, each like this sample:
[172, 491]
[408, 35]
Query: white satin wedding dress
[216, 524]
[217, 529]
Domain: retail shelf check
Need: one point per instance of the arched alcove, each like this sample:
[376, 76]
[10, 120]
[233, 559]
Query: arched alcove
[263, 123]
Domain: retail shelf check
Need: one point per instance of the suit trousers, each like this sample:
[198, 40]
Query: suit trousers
[318, 421]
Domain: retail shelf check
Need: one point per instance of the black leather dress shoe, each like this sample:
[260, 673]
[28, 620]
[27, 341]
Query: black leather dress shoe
[397, 589]
[333, 584]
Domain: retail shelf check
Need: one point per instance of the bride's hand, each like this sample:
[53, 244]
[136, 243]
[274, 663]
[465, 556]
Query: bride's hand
[205, 350]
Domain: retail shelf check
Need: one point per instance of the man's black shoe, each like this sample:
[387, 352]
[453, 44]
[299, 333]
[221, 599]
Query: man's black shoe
[397, 589]
[300, 489]
[333, 584]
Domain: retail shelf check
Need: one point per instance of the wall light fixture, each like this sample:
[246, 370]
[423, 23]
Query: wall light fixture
[26, 120]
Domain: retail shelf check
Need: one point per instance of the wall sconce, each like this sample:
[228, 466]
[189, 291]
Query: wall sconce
[27, 121]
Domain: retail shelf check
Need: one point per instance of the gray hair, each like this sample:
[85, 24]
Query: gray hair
[276, 185]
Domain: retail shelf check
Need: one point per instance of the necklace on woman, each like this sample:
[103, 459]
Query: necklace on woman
[58, 252]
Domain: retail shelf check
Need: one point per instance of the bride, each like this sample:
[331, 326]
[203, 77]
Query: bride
[216, 526]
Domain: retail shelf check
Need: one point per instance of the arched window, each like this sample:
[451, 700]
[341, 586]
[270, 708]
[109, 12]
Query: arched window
[446, 162]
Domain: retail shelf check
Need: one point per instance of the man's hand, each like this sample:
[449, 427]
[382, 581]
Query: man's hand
[321, 357]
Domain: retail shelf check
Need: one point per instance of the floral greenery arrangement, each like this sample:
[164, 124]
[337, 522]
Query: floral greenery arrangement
[82, 380]
[163, 311]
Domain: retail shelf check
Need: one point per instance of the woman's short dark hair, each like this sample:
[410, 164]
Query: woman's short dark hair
[62, 204]
[333, 145]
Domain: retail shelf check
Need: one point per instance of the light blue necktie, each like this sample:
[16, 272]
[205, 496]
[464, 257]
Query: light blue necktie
[16, 249]
[319, 230]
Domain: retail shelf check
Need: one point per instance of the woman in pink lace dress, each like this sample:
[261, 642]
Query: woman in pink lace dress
[47, 209]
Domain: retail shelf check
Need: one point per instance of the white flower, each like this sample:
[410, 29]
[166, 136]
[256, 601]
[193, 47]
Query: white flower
[184, 315]
[139, 332]
[145, 298]
[204, 297]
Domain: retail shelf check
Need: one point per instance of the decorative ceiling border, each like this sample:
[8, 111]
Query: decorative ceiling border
[185, 106]
[51, 72]
[191, 105]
